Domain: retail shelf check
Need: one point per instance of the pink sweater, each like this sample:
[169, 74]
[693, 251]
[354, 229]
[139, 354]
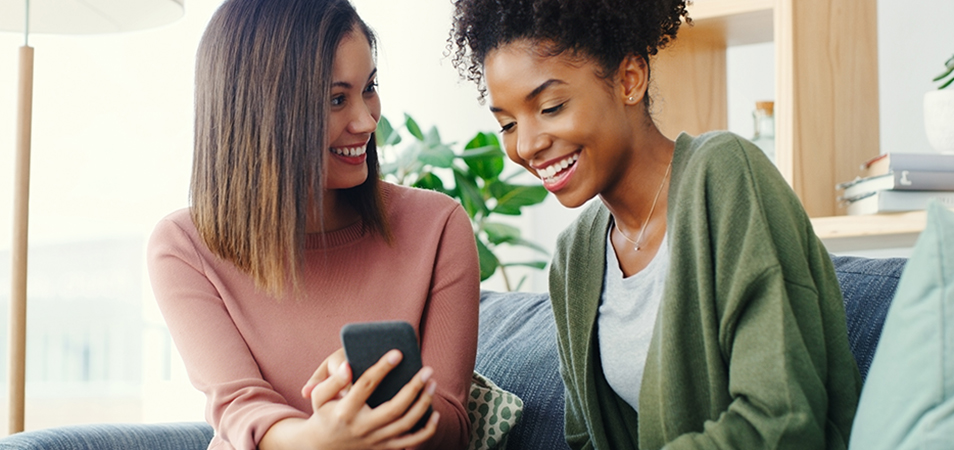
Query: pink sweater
[251, 354]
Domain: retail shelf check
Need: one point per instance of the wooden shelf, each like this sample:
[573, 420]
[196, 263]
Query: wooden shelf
[845, 233]
[736, 22]
[826, 102]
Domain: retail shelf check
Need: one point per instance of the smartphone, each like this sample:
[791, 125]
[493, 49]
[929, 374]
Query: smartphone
[366, 342]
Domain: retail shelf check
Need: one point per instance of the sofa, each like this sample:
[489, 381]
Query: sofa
[517, 350]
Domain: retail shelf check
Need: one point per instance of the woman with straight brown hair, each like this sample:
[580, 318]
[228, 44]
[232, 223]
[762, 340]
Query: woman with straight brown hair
[291, 235]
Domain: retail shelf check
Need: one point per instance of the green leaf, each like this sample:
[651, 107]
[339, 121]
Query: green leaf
[520, 242]
[428, 180]
[389, 169]
[483, 140]
[488, 261]
[412, 127]
[499, 233]
[483, 156]
[438, 156]
[510, 198]
[469, 193]
[488, 166]
[432, 138]
[482, 152]
[946, 73]
[386, 135]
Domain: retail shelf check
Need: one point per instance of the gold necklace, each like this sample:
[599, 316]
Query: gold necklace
[652, 208]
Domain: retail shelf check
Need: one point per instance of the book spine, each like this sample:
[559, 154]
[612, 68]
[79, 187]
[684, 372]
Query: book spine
[937, 162]
[898, 201]
[915, 180]
[897, 162]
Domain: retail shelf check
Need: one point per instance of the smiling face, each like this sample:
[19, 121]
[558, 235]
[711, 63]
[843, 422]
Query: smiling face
[354, 112]
[561, 120]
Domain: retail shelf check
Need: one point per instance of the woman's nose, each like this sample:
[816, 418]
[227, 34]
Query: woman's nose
[530, 141]
[363, 121]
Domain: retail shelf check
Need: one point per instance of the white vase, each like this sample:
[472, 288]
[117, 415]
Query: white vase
[939, 119]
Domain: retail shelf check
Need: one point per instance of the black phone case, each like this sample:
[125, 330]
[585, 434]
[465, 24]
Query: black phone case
[366, 342]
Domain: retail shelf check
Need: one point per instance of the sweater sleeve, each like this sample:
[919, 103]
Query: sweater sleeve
[449, 329]
[241, 406]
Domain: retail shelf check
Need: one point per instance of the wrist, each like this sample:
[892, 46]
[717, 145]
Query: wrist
[288, 433]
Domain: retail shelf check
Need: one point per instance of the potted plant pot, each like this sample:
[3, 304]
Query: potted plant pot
[939, 119]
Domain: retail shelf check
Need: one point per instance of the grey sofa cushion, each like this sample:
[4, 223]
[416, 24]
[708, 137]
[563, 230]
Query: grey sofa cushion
[517, 349]
[867, 288]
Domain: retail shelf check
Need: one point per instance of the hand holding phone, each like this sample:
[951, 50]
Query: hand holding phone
[365, 343]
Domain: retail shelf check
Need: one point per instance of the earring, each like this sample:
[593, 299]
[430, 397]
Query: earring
[631, 99]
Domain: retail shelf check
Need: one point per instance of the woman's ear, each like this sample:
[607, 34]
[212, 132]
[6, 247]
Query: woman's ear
[634, 79]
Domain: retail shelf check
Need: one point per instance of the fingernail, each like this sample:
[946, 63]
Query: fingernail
[426, 374]
[394, 357]
[431, 388]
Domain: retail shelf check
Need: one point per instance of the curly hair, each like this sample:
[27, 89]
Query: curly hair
[605, 30]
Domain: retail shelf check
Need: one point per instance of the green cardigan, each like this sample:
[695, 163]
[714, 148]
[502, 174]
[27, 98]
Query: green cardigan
[750, 347]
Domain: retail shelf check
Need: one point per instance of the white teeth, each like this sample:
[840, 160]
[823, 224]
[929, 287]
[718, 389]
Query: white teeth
[547, 173]
[349, 151]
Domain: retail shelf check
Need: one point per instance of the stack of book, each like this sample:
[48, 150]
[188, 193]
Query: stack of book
[896, 182]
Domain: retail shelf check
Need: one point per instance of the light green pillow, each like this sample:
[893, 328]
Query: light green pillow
[493, 413]
[908, 398]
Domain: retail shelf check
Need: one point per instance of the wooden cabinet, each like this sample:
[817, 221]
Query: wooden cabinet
[826, 87]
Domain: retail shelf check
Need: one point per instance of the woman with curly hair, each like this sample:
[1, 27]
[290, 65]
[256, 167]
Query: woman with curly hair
[695, 307]
[291, 235]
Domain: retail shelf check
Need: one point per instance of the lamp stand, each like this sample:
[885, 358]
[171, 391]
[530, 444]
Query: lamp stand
[21, 207]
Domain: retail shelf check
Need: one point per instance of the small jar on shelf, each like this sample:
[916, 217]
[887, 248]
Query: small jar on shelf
[764, 122]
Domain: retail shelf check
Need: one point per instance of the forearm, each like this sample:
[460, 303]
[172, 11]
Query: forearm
[284, 434]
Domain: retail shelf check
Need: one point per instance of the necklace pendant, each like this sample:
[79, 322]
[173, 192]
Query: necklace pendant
[636, 248]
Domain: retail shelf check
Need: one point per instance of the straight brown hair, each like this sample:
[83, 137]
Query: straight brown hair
[262, 96]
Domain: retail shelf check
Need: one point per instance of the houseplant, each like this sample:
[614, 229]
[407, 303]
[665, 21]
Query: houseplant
[939, 111]
[473, 176]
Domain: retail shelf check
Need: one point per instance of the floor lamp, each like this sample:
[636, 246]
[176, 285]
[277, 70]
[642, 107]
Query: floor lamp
[57, 17]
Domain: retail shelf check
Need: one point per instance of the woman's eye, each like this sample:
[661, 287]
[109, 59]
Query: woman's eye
[371, 87]
[553, 109]
[337, 100]
[507, 127]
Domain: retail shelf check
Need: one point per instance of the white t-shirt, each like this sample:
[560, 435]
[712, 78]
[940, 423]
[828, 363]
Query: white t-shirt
[627, 314]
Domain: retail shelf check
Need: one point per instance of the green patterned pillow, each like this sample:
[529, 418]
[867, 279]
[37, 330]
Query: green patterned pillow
[493, 412]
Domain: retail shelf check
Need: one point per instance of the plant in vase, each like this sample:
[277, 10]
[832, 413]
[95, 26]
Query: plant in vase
[427, 162]
[939, 111]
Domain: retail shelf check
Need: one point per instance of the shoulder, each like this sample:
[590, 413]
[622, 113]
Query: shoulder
[403, 199]
[723, 164]
[582, 228]
[175, 226]
[175, 236]
[418, 212]
[719, 150]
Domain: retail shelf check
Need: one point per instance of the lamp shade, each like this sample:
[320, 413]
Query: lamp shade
[88, 16]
